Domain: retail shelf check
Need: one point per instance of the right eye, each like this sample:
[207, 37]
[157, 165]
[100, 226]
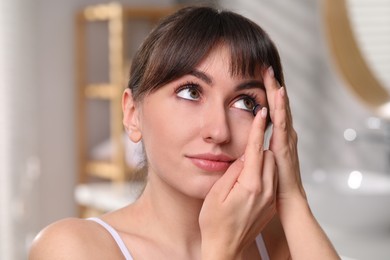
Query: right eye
[189, 92]
[245, 103]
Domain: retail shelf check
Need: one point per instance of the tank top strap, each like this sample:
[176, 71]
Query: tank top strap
[262, 248]
[259, 241]
[116, 237]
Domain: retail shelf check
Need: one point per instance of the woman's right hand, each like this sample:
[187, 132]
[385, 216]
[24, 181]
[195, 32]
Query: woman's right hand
[242, 201]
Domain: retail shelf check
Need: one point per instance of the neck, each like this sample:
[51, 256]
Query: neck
[171, 215]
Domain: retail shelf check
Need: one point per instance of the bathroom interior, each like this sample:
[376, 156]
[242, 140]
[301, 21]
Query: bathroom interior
[62, 149]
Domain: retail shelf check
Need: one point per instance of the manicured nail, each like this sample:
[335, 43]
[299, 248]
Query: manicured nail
[264, 112]
[271, 71]
[282, 91]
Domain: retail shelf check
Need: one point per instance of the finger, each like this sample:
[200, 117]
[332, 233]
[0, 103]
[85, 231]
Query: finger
[281, 121]
[285, 104]
[225, 184]
[254, 151]
[270, 178]
[271, 87]
[269, 173]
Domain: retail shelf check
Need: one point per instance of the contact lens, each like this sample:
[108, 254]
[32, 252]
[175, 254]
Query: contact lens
[256, 109]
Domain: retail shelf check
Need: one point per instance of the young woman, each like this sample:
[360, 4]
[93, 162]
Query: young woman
[203, 88]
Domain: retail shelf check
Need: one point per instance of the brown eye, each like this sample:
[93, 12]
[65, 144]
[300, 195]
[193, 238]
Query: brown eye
[245, 103]
[194, 94]
[249, 104]
[189, 93]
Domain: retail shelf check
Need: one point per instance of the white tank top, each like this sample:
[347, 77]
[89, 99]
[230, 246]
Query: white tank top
[259, 241]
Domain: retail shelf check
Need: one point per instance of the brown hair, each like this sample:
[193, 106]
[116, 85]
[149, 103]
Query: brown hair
[178, 44]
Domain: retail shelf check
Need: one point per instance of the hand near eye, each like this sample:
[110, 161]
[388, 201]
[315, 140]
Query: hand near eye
[305, 237]
[284, 140]
[242, 201]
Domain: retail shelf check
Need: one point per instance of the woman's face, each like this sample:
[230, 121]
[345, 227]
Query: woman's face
[194, 127]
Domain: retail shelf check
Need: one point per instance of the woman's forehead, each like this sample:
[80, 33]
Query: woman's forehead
[221, 54]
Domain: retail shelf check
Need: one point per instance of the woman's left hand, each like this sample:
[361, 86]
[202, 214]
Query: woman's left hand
[283, 141]
[305, 238]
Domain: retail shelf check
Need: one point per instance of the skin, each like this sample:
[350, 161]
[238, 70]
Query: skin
[194, 208]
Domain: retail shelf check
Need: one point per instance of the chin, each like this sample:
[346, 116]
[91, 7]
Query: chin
[201, 188]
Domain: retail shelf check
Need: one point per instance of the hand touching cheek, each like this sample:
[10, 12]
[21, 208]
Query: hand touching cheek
[242, 201]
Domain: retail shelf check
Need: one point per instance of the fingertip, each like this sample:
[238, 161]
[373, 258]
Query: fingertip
[282, 100]
[282, 91]
[271, 72]
[264, 112]
[268, 75]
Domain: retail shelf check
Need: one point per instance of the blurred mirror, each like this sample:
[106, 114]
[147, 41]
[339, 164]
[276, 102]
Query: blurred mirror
[358, 33]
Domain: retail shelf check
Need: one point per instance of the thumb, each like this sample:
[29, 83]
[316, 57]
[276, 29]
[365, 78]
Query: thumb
[225, 184]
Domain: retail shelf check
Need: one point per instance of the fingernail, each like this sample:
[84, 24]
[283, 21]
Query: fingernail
[264, 112]
[271, 71]
[282, 91]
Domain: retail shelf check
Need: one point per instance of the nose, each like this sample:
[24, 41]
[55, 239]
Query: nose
[215, 125]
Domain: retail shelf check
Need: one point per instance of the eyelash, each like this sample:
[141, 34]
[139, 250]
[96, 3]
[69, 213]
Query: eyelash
[251, 96]
[192, 85]
[189, 85]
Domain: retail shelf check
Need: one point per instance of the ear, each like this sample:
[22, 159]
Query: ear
[131, 120]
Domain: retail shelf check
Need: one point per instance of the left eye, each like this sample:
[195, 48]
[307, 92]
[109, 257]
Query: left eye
[190, 93]
[245, 103]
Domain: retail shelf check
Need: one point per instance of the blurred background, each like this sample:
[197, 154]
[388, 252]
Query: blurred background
[63, 66]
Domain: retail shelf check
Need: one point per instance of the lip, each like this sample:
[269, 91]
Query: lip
[211, 162]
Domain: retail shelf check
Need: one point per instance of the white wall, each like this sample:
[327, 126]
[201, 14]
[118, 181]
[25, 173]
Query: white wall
[19, 116]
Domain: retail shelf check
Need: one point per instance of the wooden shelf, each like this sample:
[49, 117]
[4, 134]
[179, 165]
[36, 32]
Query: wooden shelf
[104, 170]
[102, 91]
[116, 16]
[105, 12]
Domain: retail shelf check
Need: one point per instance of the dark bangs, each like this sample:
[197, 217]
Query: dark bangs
[251, 48]
[176, 46]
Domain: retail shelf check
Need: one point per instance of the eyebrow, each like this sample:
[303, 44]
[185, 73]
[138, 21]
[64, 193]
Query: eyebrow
[250, 84]
[202, 76]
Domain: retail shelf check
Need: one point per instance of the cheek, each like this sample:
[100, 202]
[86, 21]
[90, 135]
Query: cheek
[166, 123]
[240, 128]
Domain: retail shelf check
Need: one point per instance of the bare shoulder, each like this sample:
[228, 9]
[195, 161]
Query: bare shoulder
[72, 238]
[275, 240]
